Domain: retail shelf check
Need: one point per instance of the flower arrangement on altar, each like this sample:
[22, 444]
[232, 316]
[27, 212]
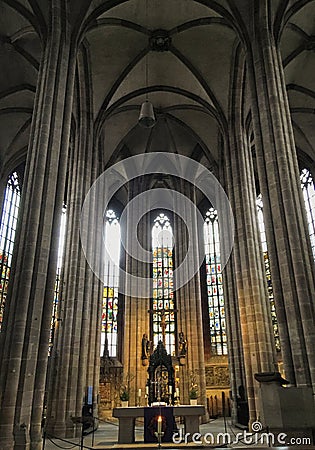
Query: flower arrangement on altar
[124, 394]
[124, 388]
[193, 390]
[193, 393]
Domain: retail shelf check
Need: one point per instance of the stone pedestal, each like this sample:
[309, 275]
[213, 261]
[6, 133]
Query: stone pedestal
[126, 432]
[286, 409]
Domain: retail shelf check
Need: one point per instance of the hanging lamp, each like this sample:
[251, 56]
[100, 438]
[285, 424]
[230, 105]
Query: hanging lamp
[147, 117]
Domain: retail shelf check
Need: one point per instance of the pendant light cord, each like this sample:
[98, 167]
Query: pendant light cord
[147, 55]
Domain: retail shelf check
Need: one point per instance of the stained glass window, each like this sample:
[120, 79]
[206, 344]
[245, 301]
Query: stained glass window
[309, 198]
[163, 303]
[109, 333]
[263, 239]
[11, 204]
[215, 284]
[62, 235]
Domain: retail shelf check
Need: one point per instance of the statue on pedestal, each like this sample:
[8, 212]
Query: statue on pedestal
[145, 349]
[182, 344]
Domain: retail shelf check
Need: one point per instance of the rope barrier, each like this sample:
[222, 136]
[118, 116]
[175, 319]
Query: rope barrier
[74, 444]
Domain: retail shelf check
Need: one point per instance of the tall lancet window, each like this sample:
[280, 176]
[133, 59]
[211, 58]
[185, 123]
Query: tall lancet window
[163, 304]
[215, 284]
[11, 204]
[109, 335]
[54, 317]
[263, 239]
[309, 198]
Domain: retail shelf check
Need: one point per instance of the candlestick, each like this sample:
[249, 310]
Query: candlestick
[159, 430]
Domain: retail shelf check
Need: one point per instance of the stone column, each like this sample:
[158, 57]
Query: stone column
[292, 265]
[136, 313]
[97, 290]
[3, 185]
[76, 354]
[232, 312]
[252, 299]
[25, 346]
[234, 335]
[188, 299]
[182, 295]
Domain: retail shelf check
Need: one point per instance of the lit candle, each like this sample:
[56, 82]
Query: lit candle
[159, 425]
[147, 390]
[170, 389]
[139, 393]
[177, 392]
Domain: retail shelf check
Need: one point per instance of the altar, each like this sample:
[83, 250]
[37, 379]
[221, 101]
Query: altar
[127, 417]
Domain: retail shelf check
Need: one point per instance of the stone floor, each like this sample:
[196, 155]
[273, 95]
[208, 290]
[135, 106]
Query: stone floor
[105, 438]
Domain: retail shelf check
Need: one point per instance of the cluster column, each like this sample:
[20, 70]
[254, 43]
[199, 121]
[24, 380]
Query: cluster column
[252, 300]
[188, 297]
[136, 309]
[76, 353]
[25, 336]
[292, 265]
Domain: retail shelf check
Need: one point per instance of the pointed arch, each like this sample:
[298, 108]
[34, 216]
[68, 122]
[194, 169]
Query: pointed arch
[163, 294]
[109, 330]
[263, 240]
[9, 218]
[308, 189]
[217, 320]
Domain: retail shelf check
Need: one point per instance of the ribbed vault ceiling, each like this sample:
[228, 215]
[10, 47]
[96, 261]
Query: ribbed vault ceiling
[189, 82]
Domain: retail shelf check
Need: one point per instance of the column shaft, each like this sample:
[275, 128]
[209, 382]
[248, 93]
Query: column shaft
[292, 266]
[76, 345]
[136, 314]
[254, 312]
[188, 298]
[25, 348]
